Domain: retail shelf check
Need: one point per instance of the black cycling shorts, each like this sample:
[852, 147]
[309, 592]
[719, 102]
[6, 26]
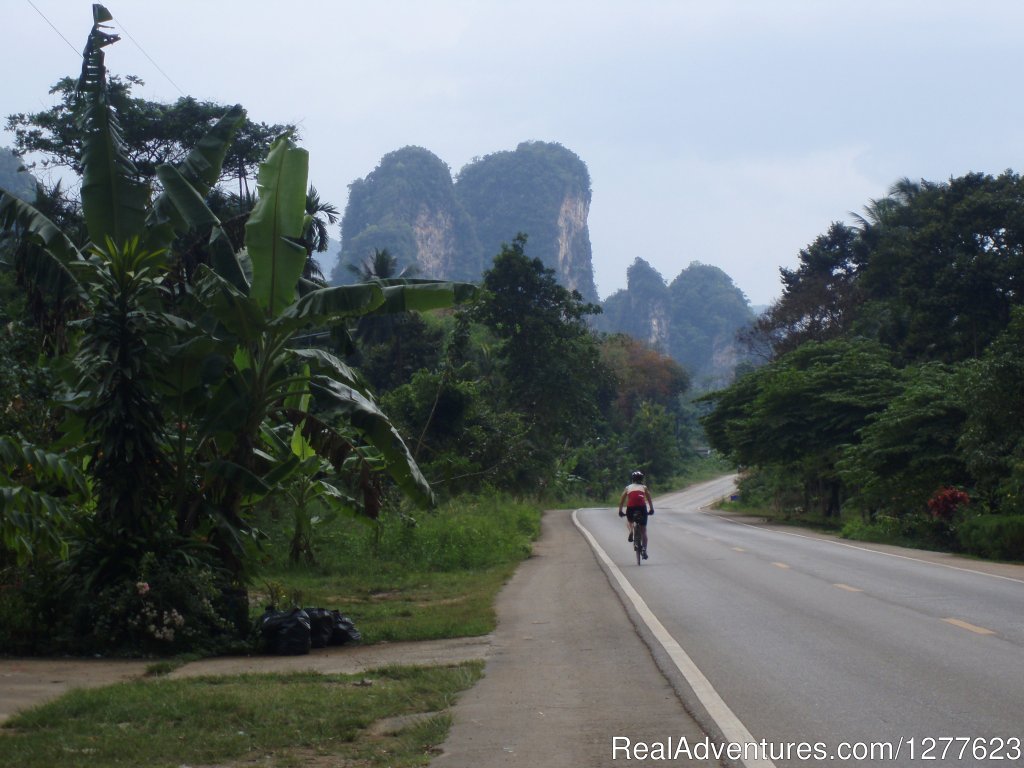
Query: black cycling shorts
[637, 515]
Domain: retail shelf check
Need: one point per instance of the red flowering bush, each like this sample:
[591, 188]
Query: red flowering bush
[946, 501]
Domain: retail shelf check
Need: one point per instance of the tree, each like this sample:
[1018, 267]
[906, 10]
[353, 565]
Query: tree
[314, 233]
[549, 360]
[909, 450]
[992, 442]
[819, 298]
[641, 375]
[381, 266]
[153, 134]
[943, 265]
[651, 437]
[802, 410]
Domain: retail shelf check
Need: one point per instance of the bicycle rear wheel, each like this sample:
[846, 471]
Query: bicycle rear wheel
[638, 547]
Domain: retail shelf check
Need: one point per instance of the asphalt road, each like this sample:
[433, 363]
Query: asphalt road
[809, 640]
[567, 674]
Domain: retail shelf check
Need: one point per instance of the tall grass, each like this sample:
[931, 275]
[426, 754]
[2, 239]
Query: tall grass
[405, 578]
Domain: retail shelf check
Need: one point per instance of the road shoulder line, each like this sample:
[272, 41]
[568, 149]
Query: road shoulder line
[730, 726]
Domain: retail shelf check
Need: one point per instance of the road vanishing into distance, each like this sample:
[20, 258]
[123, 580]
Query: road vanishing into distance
[811, 640]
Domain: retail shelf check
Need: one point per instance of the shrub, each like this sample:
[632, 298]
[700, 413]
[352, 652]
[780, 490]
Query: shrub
[909, 530]
[172, 604]
[946, 501]
[33, 619]
[995, 536]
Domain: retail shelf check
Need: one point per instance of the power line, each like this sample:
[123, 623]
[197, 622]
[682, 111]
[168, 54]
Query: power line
[120, 24]
[128, 34]
[72, 47]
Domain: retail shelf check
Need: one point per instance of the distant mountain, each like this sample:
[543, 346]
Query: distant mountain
[14, 179]
[694, 319]
[453, 228]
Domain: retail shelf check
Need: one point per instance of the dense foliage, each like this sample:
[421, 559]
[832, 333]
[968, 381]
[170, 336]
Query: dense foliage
[894, 379]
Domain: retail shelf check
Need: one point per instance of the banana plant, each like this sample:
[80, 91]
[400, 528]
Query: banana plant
[258, 329]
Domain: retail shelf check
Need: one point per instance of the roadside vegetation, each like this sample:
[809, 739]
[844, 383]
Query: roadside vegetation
[888, 406]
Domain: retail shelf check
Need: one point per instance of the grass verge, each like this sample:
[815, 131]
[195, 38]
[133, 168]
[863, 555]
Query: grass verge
[399, 579]
[272, 720]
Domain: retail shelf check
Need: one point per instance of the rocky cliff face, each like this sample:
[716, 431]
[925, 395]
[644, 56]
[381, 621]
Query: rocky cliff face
[453, 229]
[694, 320]
[436, 250]
[573, 254]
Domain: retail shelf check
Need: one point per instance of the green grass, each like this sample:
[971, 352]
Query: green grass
[273, 720]
[395, 605]
[397, 580]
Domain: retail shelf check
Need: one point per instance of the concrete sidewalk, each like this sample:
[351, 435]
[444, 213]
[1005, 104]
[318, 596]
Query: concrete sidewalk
[567, 670]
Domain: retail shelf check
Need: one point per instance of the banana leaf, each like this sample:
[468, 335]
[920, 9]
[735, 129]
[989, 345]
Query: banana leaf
[45, 266]
[363, 414]
[237, 313]
[182, 204]
[205, 161]
[115, 200]
[330, 305]
[326, 363]
[183, 209]
[274, 229]
[423, 295]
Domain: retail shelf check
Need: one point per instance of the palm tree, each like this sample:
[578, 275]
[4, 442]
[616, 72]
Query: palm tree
[382, 266]
[314, 233]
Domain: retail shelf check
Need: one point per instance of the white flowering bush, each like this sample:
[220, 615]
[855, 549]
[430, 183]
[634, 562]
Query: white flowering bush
[168, 607]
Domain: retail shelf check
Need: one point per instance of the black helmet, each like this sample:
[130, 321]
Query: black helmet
[637, 476]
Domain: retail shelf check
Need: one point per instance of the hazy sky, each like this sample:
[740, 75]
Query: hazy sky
[730, 132]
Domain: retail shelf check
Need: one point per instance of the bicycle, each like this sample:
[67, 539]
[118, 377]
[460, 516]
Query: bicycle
[638, 544]
[638, 540]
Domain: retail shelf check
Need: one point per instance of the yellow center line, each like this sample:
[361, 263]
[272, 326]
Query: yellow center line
[739, 549]
[781, 565]
[969, 627]
[847, 587]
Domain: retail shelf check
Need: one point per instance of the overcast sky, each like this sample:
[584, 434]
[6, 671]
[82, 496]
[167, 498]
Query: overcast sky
[730, 132]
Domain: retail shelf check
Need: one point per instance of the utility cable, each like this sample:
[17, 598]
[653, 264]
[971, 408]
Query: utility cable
[72, 47]
[122, 27]
[128, 34]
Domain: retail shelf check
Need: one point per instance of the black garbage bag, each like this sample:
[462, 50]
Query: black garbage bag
[286, 633]
[321, 626]
[343, 630]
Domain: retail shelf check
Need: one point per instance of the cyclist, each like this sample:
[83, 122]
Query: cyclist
[637, 500]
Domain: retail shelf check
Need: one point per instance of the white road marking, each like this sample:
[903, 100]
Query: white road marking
[733, 731]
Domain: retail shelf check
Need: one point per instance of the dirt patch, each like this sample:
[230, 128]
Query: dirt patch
[27, 682]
